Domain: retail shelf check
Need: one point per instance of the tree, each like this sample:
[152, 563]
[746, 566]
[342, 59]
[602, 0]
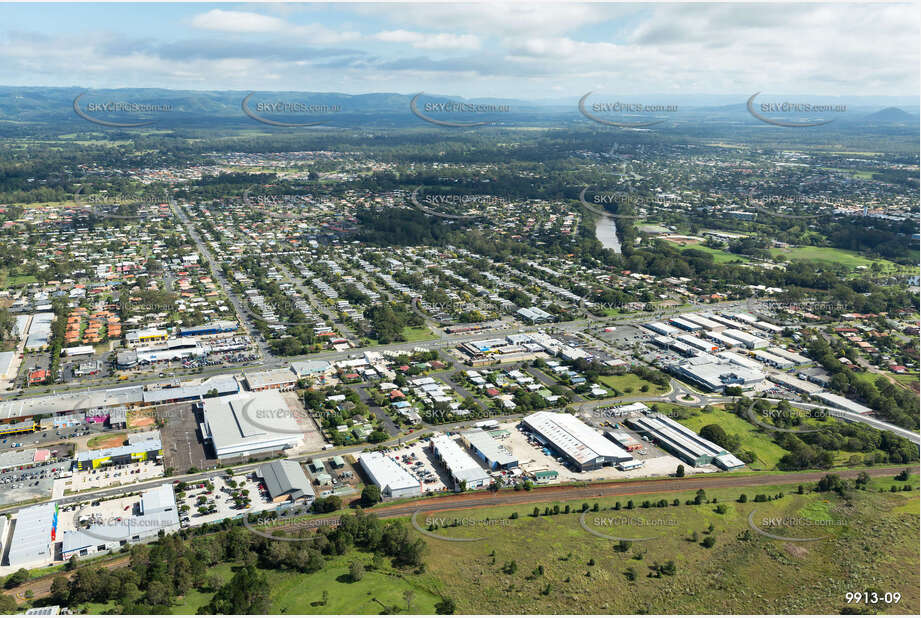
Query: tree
[370, 495]
[246, 593]
[60, 590]
[409, 596]
[679, 472]
[8, 605]
[16, 579]
[356, 571]
[445, 606]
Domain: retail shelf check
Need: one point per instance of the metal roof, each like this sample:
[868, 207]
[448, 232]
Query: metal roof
[285, 477]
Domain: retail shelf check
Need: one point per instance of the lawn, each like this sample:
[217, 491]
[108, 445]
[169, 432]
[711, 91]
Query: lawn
[752, 439]
[744, 572]
[417, 333]
[719, 256]
[107, 440]
[850, 259]
[630, 384]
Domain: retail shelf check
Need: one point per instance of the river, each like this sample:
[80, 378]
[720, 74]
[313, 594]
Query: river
[606, 233]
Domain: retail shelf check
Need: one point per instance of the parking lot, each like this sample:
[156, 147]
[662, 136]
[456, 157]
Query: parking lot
[182, 448]
[419, 460]
[218, 501]
[113, 475]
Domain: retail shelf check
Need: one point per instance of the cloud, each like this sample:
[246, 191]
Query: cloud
[237, 21]
[440, 41]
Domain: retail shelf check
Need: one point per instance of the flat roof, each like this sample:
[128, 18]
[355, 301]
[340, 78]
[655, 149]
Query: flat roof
[488, 446]
[387, 473]
[271, 377]
[843, 403]
[31, 539]
[146, 446]
[573, 437]
[678, 436]
[66, 402]
[462, 466]
[247, 422]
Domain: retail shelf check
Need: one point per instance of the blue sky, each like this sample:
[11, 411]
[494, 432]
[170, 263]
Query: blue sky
[523, 50]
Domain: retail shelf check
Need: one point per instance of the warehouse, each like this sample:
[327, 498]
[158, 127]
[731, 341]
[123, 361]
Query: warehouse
[727, 322]
[464, 470]
[34, 530]
[625, 440]
[496, 456]
[722, 340]
[684, 443]
[770, 359]
[741, 360]
[791, 356]
[212, 328]
[747, 339]
[277, 379]
[697, 343]
[148, 450]
[718, 376]
[685, 325]
[286, 482]
[662, 328]
[393, 479]
[311, 368]
[794, 383]
[247, 424]
[581, 445]
[705, 322]
[156, 511]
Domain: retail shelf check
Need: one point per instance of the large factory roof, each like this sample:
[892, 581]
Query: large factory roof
[574, 438]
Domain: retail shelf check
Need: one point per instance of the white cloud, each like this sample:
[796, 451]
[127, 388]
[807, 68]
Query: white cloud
[419, 40]
[237, 21]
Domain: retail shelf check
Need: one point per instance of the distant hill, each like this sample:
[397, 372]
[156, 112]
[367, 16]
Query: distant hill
[892, 115]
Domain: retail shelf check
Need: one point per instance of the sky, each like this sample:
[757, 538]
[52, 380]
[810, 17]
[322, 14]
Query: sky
[539, 51]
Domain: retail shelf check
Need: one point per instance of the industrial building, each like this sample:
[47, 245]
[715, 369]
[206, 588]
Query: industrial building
[248, 424]
[662, 328]
[156, 511]
[716, 376]
[624, 440]
[684, 443]
[146, 336]
[685, 325]
[703, 321]
[697, 343]
[277, 379]
[212, 328]
[746, 339]
[794, 384]
[34, 531]
[286, 482]
[463, 469]
[394, 480]
[797, 359]
[581, 445]
[493, 454]
[148, 450]
[770, 359]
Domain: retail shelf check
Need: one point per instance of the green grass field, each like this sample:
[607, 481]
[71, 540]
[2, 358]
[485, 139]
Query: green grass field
[751, 437]
[744, 572]
[850, 259]
[719, 256]
[634, 382]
